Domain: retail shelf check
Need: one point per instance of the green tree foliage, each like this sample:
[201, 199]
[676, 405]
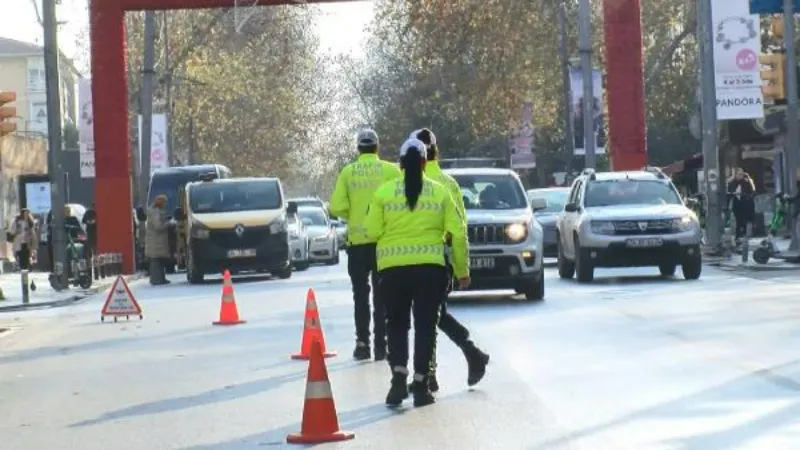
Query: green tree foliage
[465, 68]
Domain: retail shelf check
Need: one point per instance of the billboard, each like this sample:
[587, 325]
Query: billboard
[599, 135]
[522, 156]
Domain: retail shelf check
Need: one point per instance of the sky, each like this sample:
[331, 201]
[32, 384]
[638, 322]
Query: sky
[340, 26]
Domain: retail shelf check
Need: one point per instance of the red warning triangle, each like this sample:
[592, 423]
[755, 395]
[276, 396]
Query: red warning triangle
[120, 301]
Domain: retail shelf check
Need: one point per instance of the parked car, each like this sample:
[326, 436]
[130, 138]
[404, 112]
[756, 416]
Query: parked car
[324, 246]
[505, 240]
[341, 232]
[556, 198]
[627, 219]
[299, 243]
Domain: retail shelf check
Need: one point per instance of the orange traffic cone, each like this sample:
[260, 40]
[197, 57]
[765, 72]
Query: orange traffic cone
[312, 330]
[320, 421]
[228, 313]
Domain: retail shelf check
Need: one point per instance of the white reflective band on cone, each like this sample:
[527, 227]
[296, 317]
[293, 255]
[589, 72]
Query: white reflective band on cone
[318, 390]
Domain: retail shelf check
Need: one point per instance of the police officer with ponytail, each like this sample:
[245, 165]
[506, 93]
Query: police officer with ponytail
[452, 328]
[408, 218]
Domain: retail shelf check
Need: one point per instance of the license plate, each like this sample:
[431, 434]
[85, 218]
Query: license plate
[644, 243]
[241, 253]
[481, 263]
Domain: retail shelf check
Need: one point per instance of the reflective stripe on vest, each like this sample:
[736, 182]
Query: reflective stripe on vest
[403, 206]
[410, 249]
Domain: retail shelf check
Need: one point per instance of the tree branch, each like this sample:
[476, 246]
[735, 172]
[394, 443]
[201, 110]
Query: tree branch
[667, 55]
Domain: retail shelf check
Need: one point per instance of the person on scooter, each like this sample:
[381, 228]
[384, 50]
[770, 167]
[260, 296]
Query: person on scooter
[157, 240]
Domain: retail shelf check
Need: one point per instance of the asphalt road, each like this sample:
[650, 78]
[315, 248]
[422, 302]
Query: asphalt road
[632, 361]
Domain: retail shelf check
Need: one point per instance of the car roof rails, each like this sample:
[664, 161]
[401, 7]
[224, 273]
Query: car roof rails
[208, 176]
[656, 171]
[590, 172]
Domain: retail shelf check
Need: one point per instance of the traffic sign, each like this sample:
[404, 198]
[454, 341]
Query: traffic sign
[120, 301]
[770, 6]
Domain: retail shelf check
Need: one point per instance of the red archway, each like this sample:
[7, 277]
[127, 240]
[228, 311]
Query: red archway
[110, 102]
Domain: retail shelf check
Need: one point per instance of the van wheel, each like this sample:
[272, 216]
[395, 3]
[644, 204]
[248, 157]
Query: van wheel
[193, 275]
[284, 274]
[301, 266]
[667, 270]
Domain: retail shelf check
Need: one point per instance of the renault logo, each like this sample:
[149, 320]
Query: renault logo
[642, 226]
[239, 229]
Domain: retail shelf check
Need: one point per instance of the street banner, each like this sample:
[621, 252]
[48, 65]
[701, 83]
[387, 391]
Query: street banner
[85, 115]
[576, 87]
[522, 156]
[159, 159]
[87, 160]
[737, 46]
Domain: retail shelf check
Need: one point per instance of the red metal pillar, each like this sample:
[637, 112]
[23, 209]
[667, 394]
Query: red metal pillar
[112, 151]
[625, 84]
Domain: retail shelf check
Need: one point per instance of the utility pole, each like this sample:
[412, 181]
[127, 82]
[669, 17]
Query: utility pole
[51, 56]
[569, 137]
[147, 105]
[792, 143]
[168, 69]
[585, 47]
[708, 108]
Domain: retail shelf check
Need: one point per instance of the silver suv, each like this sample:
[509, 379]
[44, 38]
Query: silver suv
[505, 241]
[627, 219]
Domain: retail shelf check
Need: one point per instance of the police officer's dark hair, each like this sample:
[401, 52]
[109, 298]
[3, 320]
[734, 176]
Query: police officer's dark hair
[368, 148]
[411, 163]
[424, 135]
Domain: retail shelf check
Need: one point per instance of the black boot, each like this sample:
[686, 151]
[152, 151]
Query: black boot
[398, 392]
[362, 351]
[476, 363]
[433, 383]
[422, 393]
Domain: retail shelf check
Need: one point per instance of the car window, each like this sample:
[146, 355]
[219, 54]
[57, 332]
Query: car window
[313, 217]
[491, 191]
[556, 199]
[630, 192]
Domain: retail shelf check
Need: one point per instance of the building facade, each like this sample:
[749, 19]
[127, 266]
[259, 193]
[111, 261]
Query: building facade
[22, 72]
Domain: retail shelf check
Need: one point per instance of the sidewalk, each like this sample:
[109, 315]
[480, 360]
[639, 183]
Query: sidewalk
[44, 296]
[735, 261]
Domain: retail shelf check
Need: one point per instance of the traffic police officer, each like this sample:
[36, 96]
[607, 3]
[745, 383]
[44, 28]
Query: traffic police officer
[350, 200]
[458, 333]
[408, 217]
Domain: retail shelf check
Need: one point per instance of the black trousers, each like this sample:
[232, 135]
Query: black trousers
[449, 325]
[418, 289]
[362, 265]
[24, 257]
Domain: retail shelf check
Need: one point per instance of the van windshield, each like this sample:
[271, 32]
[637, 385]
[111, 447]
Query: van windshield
[232, 197]
[169, 184]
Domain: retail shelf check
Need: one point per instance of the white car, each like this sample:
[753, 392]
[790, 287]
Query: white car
[324, 243]
[341, 232]
[298, 243]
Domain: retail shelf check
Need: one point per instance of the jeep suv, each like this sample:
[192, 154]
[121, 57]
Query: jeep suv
[505, 241]
[627, 219]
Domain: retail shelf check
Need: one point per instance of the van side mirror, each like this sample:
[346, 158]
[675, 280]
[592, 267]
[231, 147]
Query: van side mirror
[291, 208]
[571, 207]
[538, 203]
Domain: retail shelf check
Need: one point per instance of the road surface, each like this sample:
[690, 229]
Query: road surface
[625, 363]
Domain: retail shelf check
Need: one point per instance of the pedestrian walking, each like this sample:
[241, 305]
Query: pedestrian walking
[408, 218]
[23, 231]
[157, 241]
[355, 186]
[90, 225]
[742, 189]
[477, 360]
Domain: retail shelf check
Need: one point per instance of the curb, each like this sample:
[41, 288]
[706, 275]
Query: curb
[73, 299]
[753, 267]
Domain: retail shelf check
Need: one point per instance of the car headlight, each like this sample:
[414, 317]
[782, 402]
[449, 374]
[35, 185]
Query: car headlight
[602, 227]
[517, 232]
[684, 223]
[278, 225]
[200, 231]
